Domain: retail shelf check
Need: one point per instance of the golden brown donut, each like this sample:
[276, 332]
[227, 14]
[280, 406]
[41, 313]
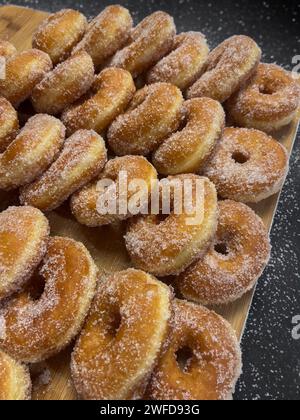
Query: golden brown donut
[58, 34]
[232, 266]
[150, 40]
[184, 65]
[7, 49]
[187, 150]
[35, 329]
[167, 247]
[81, 160]
[32, 151]
[153, 114]
[9, 124]
[268, 102]
[15, 383]
[23, 72]
[112, 91]
[248, 165]
[228, 66]
[106, 34]
[201, 358]
[117, 349]
[84, 202]
[24, 234]
[64, 85]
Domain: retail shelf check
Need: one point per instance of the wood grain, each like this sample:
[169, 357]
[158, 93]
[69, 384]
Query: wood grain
[106, 244]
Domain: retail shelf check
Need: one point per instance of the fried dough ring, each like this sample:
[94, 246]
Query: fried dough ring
[9, 124]
[15, 383]
[7, 49]
[117, 349]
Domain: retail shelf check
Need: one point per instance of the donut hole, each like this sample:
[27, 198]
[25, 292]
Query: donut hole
[184, 357]
[222, 248]
[267, 90]
[115, 323]
[240, 157]
[36, 287]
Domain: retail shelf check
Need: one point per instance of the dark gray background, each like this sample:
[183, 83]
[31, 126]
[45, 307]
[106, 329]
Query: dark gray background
[271, 356]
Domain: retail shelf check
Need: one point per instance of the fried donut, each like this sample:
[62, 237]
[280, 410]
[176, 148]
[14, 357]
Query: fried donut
[15, 383]
[151, 40]
[186, 151]
[112, 91]
[24, 234]
[268, 102]
[58, 34]
[7, 49]
[84, 202]
[201, 359]
[122, 337]
[248, 165]
[167, 247]
[35, 329]
[81, 160]
[64, 85]
[23, 72]
[153, 114]
[239, 255]
[228, 66]
[9, 124]
[32, 152]
[106, 34]
[183, 66]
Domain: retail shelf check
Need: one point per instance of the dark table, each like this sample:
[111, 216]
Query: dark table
[271, 355]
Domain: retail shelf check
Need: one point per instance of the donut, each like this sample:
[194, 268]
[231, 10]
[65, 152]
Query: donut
[7, 49]
[15, 383]
[9, 124]
[112, 91]
[183, 66]
[187, 150]
[117, 349]
[32, 152]
[201, 359]
[23, 72]
[227, 68]
[82, 159]
[153, 114]
[24, 234]
[39, 327]
[248, 165]
[151, 40]
[268, 102]
[106, 34]
[234, 263]
[84, 202]
[58, 34]
[64, 85]
[167, 246]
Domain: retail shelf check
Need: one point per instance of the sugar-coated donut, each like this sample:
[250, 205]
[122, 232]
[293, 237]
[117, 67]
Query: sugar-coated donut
[7, 49]
[201, 359]
[24, 234]
[228, 66]
[23, 72]
[187, 150]
[248, 165]
[150, 40]
[15, 382]
[32, 152]
[268, 102]
[167, 247]
[112, 91]
[239, 255]
[81, 160]
[9, 124]
[153, 114]
[64, 85]
[84, 202]
[106, 34]
[122, 337]
[35, 329]
[183, 66]
[58, 34]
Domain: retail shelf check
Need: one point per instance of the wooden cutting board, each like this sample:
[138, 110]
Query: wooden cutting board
[52, 379]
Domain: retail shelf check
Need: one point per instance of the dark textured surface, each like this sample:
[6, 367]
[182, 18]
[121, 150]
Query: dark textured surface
[271, 355]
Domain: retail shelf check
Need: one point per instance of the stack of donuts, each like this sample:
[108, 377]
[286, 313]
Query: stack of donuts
[93, 99]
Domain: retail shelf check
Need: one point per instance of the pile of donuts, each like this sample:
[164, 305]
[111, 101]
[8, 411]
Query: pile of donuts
[88, 101]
